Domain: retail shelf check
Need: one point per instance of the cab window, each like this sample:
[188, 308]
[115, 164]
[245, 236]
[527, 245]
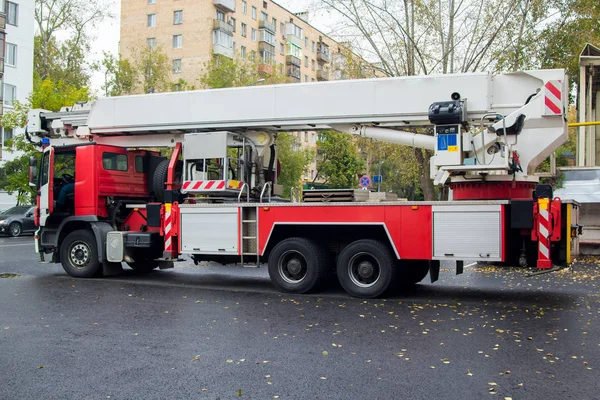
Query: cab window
[114, 162]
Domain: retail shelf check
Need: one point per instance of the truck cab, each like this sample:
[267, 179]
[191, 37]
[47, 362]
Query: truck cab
[86, 190]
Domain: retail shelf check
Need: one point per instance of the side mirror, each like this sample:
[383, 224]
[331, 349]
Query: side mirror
[33, 171]
[29, 215]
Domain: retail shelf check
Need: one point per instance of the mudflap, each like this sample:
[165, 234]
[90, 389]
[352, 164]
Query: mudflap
[434, 270]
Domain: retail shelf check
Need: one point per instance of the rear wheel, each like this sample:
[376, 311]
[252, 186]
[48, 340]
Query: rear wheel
[297, 265]
[15, 229]
[366, 268]
[79, 254]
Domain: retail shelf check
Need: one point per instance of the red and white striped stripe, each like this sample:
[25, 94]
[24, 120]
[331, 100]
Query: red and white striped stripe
[192, 186]
[553, 98]
[543, 239]
[168, 229]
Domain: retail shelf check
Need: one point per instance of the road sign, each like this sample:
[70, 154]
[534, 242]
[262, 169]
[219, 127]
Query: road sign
[365, 181]
[377, 179]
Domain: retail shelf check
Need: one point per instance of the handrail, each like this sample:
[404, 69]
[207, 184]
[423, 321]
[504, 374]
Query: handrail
[268, 184]
[244, 186]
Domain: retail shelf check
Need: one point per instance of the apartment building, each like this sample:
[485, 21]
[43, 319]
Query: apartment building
[192, 31]
[16, 64]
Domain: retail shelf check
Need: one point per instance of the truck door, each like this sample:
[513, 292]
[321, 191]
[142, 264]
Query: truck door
[46, 191]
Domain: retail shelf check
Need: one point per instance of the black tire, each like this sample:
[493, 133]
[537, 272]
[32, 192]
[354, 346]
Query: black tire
[298, 265]
[366, 268]
[159, 178]
[411, 272]
[79, 254]
[15, 229]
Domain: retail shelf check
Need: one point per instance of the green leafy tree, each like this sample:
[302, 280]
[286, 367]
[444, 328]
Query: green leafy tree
[293, 160]
[153, 70]
[223, 72]
[338, 161]
[120, 76]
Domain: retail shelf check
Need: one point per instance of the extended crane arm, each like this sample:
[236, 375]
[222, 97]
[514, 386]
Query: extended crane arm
[524, 112]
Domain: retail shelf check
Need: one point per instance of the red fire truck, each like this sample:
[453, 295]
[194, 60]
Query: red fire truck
[106, 196]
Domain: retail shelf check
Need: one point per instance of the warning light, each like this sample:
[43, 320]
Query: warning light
[414, 207]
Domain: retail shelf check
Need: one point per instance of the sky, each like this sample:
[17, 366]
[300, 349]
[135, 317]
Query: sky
[106, 37]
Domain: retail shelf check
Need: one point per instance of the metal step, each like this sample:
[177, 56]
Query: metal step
[249, 220]
[251, 265]
[248, 237]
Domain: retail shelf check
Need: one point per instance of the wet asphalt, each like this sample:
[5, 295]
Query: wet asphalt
[222, 332]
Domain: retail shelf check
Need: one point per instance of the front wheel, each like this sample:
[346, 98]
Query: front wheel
[297, 265]
[79, 254]
[15, 229]
[366, 268]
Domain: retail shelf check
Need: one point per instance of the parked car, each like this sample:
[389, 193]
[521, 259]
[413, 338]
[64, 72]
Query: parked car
[17, 220]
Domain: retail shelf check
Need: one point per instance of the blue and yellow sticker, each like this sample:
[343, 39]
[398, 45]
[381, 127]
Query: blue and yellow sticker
[447, 142]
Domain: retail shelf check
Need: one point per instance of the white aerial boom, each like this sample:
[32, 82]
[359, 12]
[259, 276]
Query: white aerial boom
[501, 126]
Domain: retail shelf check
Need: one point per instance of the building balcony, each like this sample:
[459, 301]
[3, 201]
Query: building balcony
[295, 40]
[264, 24]
[322, 75]
[291, 60]
[1, 67]
[322, 57]
[266, 69]
[225, 5]
[2, 21]
[293, 72]
[222, 50]
[264, 46]
[219, 25]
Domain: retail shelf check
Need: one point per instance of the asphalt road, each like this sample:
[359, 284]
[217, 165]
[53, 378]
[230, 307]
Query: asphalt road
[223, 332]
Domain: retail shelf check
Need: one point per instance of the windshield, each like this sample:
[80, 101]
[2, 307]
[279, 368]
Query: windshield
[18, 210]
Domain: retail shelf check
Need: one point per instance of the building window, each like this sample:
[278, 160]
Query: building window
[11, 54]
[177, 17]
[252, 55]
[12, 13]
[314, 47]
[264, 16]
[253, 12]
[177, 41]
[253, 35]
[282, 28]
[151, 1]
[151, 42]
[306, 137]
[244, 7]
[264, 4]
[151, 20]
[243, 52]
[275, 25]
[306, 61]
[282, 48]
[306, 42]
[10, 94]
[177, 66]
[7, 134]
[312, 64]
[243, 29]
[313, 137]
[305, 78]
[220, 16]
[232, 23]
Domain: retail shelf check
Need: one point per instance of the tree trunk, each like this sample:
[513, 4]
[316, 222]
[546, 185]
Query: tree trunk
[423, 157]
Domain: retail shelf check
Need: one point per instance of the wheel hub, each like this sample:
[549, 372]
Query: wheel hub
[365, 269]
[79, 255]
[294, 266]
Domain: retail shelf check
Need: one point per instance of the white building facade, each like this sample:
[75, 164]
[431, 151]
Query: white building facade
[17, 80]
